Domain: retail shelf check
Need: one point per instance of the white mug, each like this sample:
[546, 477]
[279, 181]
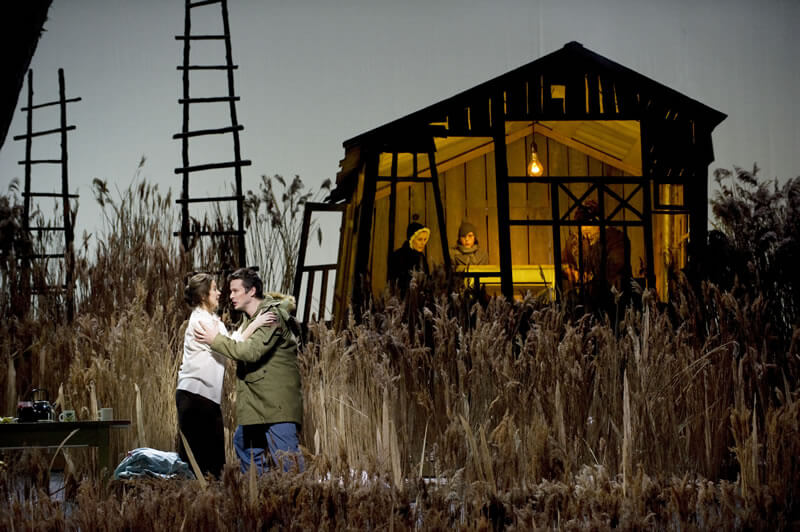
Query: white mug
[106, 414]
[67, 415]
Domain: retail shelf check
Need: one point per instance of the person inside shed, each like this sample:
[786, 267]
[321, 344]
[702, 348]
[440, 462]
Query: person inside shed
[410, 256]
[467, 251]
[583, 256]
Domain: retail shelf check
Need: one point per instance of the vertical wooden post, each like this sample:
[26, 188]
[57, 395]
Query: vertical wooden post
[364, 231]
[556, 212]
[501, 180]
[69, 255]
[28, 146]
[301, 259]
[392, 206]
[647, 212]
[437, 198]
[236, 145]
[187, 30]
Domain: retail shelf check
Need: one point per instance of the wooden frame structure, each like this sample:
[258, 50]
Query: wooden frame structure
[66, 228]
[186, 133]
[605, 133]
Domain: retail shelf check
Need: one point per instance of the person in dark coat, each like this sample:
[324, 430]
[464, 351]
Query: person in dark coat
[582, 260]
[410, 256]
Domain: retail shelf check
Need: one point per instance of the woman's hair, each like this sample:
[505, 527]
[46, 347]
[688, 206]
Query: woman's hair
[197, 289]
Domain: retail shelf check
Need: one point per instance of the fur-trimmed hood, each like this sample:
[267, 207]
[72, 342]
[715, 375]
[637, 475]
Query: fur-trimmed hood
[287, 302]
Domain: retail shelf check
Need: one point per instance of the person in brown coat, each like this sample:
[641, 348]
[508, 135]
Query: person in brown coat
[582, 259]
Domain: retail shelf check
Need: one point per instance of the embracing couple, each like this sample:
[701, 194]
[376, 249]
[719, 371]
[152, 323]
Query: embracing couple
[269, 404]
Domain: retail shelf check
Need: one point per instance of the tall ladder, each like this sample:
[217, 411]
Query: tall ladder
[67, 229]
[233, 129]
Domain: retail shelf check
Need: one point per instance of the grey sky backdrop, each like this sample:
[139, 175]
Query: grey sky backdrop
[315, 73]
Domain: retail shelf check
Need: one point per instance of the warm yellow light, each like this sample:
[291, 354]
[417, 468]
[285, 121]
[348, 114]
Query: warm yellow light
[535, 168]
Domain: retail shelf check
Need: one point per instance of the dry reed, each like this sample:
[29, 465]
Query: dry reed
[443, 413]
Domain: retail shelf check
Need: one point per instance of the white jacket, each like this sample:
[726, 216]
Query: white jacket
[202, 370]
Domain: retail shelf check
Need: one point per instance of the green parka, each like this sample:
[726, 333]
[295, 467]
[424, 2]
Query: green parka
[267, 378]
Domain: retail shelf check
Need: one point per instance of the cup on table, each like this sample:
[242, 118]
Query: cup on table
[67, 416]
[105, 414]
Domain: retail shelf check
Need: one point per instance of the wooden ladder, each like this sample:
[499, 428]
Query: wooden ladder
[186, 134]
[67, 229]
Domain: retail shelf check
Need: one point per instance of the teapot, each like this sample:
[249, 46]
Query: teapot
[42, 409]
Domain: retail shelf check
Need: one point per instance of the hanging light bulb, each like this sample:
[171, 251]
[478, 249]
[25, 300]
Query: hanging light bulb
[535, 168]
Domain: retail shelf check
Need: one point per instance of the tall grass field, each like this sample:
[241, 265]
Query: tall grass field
[444, 410]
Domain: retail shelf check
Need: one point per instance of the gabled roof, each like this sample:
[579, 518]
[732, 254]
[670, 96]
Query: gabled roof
[633, 97]
[21, 29]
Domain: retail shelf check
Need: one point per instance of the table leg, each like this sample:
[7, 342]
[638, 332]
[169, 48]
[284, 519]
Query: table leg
[103, 452]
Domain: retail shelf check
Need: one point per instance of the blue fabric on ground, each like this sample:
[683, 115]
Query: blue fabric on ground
[145, 461]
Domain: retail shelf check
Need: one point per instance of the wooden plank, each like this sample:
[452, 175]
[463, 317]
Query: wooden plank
[380, 246]
[479, 118]
[344, 274]
[611, 203]
[578, 166]
[434, 248]
[607, 159]
[492, 239]
[455, 199]
[401, 216]
[476, 204]
[534, 94]
[49, 104]
[309, 296]
[518, 201]
[558, 166]
[392, 204]
[516, 102]
[323, 295]
[417, 201]
[501, 180]
[437, 184]
[46, 132]
[364, 229]
[592, 94]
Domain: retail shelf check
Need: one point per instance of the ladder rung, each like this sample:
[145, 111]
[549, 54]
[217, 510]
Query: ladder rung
[40, 133]
[41, 161]
[210, 199]
[207, 67]
[232, 232]
[200, 37]
[212, 166]
[319, 267]
[48, 195]
[204, 3]
[48, 104]
[43, 228]
[209, 100]
[200, 132]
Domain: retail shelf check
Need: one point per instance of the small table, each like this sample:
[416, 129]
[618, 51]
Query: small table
[51, 434]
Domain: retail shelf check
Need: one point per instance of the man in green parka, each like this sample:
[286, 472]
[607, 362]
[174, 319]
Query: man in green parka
[269, 404]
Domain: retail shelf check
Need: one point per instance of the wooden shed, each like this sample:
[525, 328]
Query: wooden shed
[636, 148]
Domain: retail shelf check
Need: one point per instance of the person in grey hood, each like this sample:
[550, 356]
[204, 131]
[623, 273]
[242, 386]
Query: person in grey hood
[467, 251]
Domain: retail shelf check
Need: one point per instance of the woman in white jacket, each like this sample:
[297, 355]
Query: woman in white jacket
[199, 391]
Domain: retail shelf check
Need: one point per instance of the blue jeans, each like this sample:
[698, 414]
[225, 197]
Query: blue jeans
[280, 439]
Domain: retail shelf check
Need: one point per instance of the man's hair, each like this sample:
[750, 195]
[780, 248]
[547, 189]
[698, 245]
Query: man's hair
[250, 279]
[197, 289]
